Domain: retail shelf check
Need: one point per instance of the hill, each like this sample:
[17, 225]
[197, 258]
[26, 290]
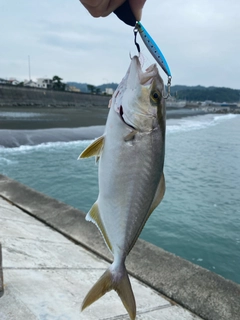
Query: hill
[200, 93]
[181, 92]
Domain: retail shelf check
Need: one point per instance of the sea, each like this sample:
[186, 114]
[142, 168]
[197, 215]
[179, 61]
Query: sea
[199, 217]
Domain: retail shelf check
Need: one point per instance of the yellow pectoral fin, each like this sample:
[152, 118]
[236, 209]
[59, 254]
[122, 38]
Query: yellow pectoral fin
[94, 149]
[94, 216]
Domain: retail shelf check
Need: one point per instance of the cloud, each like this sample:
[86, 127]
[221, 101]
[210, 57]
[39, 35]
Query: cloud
[200, 40]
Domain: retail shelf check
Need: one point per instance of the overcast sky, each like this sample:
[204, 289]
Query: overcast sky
[200, 39]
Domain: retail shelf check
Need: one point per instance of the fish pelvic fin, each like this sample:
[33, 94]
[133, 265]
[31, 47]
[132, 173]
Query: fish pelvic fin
[94, 149]
[117, 280]
[95, 217]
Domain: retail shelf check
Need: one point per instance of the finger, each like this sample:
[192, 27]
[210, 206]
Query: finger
[136, 6]
[101, 8]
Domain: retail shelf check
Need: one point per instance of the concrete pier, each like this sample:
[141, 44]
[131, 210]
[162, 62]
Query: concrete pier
[1, 273]
[52, 256]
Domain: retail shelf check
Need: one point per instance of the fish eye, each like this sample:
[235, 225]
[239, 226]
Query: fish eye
[155, 96]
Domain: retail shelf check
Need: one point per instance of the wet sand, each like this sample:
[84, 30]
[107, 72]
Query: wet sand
[44, 118]
[30, 118]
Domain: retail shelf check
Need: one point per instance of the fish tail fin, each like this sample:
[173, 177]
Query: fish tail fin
[117, 280]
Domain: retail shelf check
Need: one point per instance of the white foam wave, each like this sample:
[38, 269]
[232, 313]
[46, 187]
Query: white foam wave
[45, 146]
[173, 126]
[196, 123]
[19, 114]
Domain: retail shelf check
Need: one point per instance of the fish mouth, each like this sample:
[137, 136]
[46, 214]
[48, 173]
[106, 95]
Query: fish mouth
[122, 117]
[137, 75]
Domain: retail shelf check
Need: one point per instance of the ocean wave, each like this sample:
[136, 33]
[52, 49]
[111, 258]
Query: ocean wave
[44, 146]
[19, 115]
[196, 122]
[19, 138]
[26, 140]
[225, 117]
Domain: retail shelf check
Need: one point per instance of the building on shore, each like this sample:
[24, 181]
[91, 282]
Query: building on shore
[44, 83]
[12, 81]
[29, 83]
[109, 91]
[72, 89]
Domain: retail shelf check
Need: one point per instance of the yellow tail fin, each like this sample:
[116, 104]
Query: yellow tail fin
[113, 280]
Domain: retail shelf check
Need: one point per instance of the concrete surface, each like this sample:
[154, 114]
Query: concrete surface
[47, 276]
[1, 273]
[199, 290]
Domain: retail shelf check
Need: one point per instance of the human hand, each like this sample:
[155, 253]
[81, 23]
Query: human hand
[102, 8]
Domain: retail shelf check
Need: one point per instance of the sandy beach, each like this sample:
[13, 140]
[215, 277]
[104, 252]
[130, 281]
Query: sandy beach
[44, 118]
[30, 118]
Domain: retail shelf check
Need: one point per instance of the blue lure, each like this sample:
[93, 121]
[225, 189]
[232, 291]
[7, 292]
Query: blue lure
[152, 47]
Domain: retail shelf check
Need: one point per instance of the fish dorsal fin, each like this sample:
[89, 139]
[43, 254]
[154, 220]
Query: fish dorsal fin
[94, 216]
[156, 200]
[94, 149]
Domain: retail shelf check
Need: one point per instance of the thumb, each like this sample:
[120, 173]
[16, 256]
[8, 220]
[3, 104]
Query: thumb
[136, 6]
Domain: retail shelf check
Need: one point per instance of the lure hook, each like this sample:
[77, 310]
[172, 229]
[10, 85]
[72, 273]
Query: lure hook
[168, 88]
[154, 50]
[135, 30]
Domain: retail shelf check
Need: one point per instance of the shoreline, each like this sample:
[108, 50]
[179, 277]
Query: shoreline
[34, 118]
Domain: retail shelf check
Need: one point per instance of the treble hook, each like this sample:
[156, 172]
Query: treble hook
[168, 88]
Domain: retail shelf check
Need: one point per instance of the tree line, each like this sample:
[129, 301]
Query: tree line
[214, 94]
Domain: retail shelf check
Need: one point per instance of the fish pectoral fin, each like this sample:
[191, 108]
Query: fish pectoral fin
[95, 217]
[158, 195]
[111, 280]
[94, 149]
[130, 136]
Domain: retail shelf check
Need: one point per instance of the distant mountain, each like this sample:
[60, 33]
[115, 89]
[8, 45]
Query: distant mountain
[181, 92]
[200, 93]
[178, 88]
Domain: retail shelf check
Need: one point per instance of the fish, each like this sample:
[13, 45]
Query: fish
[130, 156]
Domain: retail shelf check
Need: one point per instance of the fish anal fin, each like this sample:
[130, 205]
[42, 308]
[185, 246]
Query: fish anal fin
[94, 216]
[156, 200]
[94, 149]
[111, 280]
[158, 195]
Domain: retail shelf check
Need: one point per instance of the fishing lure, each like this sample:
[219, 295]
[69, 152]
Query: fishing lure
[154, 50]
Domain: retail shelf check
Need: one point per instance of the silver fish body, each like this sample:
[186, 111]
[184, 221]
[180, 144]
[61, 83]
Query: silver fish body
[131, 180]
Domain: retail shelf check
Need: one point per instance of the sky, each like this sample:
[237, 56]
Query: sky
[200, 40]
